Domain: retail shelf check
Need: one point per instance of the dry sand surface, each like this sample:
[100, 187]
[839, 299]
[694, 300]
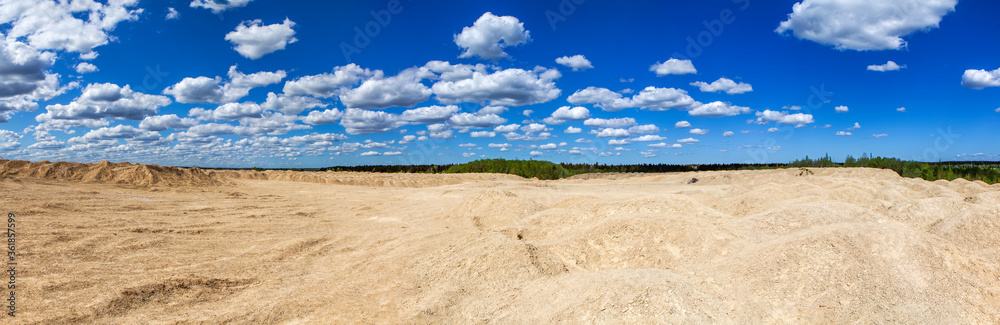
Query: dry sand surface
[127, 244]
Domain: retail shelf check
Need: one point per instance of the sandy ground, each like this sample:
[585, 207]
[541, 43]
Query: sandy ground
[738, 247]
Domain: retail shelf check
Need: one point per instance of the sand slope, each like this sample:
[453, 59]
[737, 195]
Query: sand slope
[840, 246]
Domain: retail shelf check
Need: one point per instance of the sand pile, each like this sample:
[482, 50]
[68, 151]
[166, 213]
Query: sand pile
[107, 172]
[737, 247]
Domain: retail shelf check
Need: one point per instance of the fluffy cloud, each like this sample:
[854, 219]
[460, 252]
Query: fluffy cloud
[489, 35]
[229, 111]
[573, 130]
[651, 98]
[797, 119]
[453, 72]
[718, 109]
[510, 87]
[644, 129]
[673, 66]
[429, 114]
[475, 120]
[85, 67]
[612, 133]
[164, 122]
[77, 26]
[252, 40]
[698, 131]
[723, 84]
[661, 99]
[728, 134]
[863, 25]
[440, 131]
[879, 135]
[665, 145]
[213, 90]
[22, 68]
[577, 62]
[596, 95]
[855, 127]
[493, 110]
[621, 122]
[843, 133]
[326, 85]
[271, 123]
[216, 6]
[682, 124]
[565, 113]
[841, 109]
[106, 101]
[10, 106]
[535, 127]
[482, 134]
[688, 140]
[506, 128]
[172, 14]
[648, 137]
[115, 133]
[329, 116]
[888, 66]
[979, 79]
[359, 121]
[404, 89]
[901, 109]
[291, 105]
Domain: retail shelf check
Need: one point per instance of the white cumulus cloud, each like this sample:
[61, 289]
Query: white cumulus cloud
[888, 66]
[577, 62]
[863, 25]
[218, 6]
[509, 87]
[566, 113]
[85, 67]
[725, 85]
[718, 109]
[489, 35]
[979, 79]
[673, 66]
[253, 40]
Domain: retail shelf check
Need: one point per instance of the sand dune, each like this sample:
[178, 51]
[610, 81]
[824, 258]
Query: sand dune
[123, 243]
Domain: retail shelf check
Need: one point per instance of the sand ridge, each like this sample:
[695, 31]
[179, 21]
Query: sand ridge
[841, 246]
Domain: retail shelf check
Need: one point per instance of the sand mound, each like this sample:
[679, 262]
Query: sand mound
[495, 209]
[615, 296]
[107, 172]
[865, 273]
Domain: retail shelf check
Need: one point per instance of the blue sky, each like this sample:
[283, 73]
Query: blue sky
[286, 84]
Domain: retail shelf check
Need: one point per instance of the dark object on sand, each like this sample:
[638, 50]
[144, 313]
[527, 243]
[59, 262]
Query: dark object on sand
[692, 181]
